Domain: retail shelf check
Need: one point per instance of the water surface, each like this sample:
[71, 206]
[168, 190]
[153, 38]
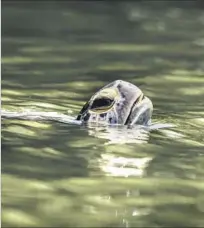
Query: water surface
[55, 55]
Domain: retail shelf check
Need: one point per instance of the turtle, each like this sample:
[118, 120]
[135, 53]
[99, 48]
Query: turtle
[119, 102]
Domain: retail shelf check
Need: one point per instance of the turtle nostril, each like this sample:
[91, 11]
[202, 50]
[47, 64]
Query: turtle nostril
[102, 115]
[86, 117]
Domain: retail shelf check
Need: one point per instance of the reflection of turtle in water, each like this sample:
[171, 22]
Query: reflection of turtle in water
[119, 102]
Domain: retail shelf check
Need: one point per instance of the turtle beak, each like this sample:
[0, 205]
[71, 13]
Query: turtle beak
[136, 103]
[141, 111]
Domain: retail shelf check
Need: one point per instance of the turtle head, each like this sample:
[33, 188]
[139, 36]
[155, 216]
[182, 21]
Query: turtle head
[119, 102]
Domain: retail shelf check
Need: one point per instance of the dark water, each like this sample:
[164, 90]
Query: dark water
[55, 55]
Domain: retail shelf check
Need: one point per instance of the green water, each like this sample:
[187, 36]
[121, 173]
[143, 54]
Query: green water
[55, 55]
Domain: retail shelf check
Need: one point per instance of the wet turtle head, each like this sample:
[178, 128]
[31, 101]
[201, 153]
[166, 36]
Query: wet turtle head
[119, 102]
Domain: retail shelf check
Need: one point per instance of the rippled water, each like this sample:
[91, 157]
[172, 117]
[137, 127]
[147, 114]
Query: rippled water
[54, 57]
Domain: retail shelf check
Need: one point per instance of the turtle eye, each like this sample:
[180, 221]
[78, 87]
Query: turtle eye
[102, 104]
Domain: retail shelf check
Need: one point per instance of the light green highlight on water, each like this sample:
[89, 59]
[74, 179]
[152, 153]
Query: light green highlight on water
[54, 57]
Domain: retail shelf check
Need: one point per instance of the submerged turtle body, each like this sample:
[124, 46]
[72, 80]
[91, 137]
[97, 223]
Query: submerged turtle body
[119, 102]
